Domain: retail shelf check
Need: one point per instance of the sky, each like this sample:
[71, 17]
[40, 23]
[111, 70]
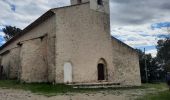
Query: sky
[138, 23]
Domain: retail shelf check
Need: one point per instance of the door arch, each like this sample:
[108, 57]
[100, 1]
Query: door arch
[102, 70]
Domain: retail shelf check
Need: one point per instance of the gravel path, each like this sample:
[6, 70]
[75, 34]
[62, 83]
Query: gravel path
[11, 94]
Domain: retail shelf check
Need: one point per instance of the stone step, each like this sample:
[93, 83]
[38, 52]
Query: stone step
[95, 85]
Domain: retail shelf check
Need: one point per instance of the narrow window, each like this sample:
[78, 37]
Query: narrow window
[79, 1]
[100, 2]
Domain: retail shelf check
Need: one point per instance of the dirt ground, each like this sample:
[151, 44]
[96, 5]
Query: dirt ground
[11, 94]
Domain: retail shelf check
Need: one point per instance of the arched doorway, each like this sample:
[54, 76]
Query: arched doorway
[102, 70]
[67, 72]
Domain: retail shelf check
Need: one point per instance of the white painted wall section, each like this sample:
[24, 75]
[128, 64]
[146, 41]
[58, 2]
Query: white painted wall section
[67, 72]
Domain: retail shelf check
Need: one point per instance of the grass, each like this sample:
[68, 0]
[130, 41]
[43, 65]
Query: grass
[155, 85]
[50, 90]
[43, 88]
[164, 95]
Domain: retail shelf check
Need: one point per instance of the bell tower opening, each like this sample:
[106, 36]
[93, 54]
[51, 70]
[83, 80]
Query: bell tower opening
[79, 1]
[100, 2]
[100, 5]
[74, 2]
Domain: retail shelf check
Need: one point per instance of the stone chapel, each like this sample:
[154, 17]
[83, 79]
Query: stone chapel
[71, 44]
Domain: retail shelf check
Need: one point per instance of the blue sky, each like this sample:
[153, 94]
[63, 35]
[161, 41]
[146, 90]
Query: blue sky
[142, 36]
[160, 25]
[138, 23]
[1, 38]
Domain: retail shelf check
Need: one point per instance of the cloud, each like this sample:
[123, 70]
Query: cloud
[148, 49]
[135, 12]
[153, 52]
[141, 36]
[12, 6]
[20, 13]
[139, 23]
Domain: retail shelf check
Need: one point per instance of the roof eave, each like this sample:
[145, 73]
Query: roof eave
[124, 44]
[42, 18]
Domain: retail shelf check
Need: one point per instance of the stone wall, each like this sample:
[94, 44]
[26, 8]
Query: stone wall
[34, 60]
[5, 64]
[126, 62]
[77, 35]
[29, 60]
[11, 62]
[82, 38]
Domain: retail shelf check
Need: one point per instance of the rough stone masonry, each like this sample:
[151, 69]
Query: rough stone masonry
[71, 44]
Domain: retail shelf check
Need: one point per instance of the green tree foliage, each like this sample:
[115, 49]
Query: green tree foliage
[154, 70]
[10, 32]
[163, 49]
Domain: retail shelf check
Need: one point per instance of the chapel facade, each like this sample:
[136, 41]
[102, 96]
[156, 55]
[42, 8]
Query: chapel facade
[71, 44]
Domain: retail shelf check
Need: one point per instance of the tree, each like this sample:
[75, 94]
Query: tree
[163, 48]
[10, 32]
[154, 70]
[142, 58]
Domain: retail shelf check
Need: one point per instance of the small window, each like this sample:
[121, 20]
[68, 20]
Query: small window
[79, 1]
[100, 2]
